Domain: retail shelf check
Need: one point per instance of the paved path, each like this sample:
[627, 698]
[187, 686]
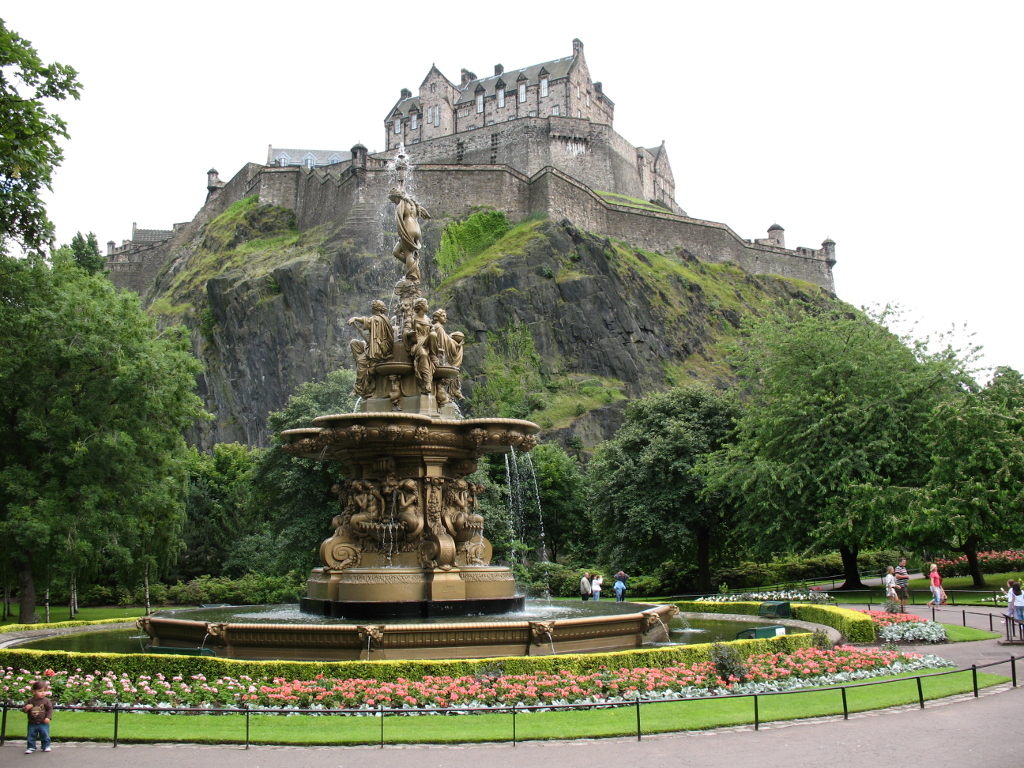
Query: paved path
[962, 731]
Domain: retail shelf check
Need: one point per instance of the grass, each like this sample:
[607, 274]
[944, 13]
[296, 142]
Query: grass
[61, 613]
[957, 634]
[657, 717]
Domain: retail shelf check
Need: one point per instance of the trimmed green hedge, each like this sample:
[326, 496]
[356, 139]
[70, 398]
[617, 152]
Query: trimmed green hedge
[150, 664]
[62, 624]
[855, 626]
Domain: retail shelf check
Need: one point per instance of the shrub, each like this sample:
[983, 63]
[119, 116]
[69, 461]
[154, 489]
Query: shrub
[796, 569]
[728, 662]
[854, 625]
[1007, 561]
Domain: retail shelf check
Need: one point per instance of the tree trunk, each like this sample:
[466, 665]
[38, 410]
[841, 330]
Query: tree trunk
[703, 561]
[970, 549]
[72, 599]
[26, 594]
[145, 581]
[851, 573]
[46, 602]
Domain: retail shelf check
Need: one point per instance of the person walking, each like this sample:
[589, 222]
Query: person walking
[938, 594]
[585, 588]
[595, 586]
[622, 578]
[39, 710]
[889, 582]
[1014, 600]
[902, 582]
[620, 590]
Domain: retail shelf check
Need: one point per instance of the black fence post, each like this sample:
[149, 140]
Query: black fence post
[920, 692]
[514, 723]
[991, 626]
[933, 613]
[382, 726]
[638, 716]
[3, 725]
[115, 723]
[964, 612]
[974, 677]
[246, 726]
[846, 709]
[757, 715]
[1013, 677]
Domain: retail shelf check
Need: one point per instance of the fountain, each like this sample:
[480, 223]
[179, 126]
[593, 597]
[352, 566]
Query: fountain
[408, 541]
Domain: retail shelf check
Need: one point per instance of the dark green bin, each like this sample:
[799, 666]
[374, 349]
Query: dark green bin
[775, 609]
[758, 633]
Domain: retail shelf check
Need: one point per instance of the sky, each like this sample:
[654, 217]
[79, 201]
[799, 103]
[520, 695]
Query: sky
[895, 128]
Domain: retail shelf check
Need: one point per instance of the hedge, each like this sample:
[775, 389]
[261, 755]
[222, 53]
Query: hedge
[855, 626]
[135, 665]
[62, 624]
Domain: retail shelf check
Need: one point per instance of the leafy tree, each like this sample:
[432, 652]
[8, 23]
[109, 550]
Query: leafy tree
[973, 493]
[562, 491]
[219, 512]
[94, 401]
[28, 138]
[294, 495]
[647, 502]
[835, 404]
[86, 252]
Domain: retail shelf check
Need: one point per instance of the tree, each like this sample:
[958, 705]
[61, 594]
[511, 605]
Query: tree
[647, 502]
[294, 495]
[973, 493]
[94, 401]
[28, 138]
[219, 513]
[86, 252]
[562, 491]
[836, 404]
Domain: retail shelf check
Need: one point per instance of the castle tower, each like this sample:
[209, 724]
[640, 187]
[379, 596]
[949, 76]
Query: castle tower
[828, 247]
[778, 234]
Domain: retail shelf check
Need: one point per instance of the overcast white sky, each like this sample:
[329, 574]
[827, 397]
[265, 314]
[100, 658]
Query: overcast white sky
[894, 128]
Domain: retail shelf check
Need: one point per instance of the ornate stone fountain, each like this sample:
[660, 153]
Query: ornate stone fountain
[408, 540]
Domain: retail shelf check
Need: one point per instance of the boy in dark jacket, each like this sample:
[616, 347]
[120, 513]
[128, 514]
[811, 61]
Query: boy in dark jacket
[39, 710]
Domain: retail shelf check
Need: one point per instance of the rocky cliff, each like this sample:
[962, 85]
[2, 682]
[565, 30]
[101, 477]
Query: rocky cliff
[583, 322]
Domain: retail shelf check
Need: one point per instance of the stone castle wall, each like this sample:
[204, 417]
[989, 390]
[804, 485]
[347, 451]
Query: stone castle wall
[350, 198]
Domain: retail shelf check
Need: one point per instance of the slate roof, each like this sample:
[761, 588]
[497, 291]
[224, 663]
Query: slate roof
[406, 106]
[298, 156]
[151, 235]
[555, 70]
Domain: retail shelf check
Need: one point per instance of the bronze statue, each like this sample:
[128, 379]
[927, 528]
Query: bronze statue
[410, 240]
[364, 386]
[377, 330]
[420, 342]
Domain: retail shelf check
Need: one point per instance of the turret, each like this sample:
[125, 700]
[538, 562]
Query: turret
[111, 246]
[778, 234]
[213, 182]
[828, 248]
[359, 156]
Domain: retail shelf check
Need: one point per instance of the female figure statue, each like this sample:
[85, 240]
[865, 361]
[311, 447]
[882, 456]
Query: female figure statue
[364, 386]
[409, 237]
[420, 341]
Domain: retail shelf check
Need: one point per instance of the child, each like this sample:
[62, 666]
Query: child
[39, 710]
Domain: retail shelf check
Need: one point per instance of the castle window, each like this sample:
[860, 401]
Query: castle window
[577, 90]
[543, 86]
[501, 98]
[433, 87]
[522, 92]
[588, 98]
[437, 115]
[310, 161]
[556, 110]
[415, 121]
[398, 126]
[479, 103]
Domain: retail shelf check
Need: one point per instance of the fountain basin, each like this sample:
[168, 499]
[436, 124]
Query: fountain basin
[470, 638]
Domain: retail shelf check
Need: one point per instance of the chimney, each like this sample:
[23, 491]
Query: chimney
[598, 88]
[467, 77]
[406, 93]
[577, 47]
[499, 70]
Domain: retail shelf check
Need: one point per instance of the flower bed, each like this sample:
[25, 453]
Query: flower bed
[765, 672]
[799, 596]
[905, 627]
[1007, 561]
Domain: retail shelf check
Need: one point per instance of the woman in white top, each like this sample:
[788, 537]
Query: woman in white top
[1015, 600]
[889, 582]
[595, 586]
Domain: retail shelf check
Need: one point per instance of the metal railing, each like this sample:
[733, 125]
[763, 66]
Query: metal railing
[384, 712]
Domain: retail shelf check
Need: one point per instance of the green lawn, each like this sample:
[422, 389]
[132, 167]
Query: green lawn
[61, 613]
[957, 634]
[655, 718]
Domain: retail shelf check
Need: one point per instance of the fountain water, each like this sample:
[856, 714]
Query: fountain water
[408, 538]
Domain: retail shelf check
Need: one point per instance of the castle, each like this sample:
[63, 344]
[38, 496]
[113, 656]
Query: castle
[533, 141]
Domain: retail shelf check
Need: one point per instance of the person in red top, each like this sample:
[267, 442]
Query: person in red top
[39, 710]
[938, 594]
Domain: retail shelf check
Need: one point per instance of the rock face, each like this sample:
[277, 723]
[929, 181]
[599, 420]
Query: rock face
[268, 306]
